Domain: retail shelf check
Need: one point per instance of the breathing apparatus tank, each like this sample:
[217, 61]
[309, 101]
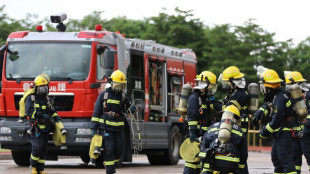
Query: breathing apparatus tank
[226, 126]
[185, 92]
[297, 97]
[253, 91]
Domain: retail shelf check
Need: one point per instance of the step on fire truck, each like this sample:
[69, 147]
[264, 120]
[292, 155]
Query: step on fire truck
[78, 64]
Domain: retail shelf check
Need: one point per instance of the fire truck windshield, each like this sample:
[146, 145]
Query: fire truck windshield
[61, 61]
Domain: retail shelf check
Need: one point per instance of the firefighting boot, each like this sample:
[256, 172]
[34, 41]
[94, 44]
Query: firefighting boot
[64, 131]
[34, 170]
[63, 147]
[97, 151]
[92, 162]
[21, 120]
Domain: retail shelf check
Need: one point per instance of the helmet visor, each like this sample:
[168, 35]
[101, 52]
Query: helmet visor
[304, 86]
[212, 88]
[262, 88]
[118, 87]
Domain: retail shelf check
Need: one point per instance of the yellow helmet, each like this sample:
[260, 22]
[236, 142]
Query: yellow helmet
[208, 75]
[118, 76]
[232, 72]
[233, 109]
[293, 77]
[40, 81]
[270, 78]
[47, 77]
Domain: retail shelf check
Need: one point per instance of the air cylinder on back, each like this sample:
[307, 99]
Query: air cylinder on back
[300, 104]
[186, 91]
[225, 128]
[253, 91]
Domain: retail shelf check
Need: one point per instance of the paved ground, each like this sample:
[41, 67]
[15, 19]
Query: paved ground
[259, 163]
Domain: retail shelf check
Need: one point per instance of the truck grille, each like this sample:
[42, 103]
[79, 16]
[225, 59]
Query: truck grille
[61, 103]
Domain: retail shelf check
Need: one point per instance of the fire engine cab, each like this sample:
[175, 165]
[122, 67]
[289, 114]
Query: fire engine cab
[78, 64]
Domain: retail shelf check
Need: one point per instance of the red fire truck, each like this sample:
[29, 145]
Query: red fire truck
[78, 64]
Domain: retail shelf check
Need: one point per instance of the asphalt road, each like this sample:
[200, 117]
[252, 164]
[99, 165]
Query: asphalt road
[259, 163]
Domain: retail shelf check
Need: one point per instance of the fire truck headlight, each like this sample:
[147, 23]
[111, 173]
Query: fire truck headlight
[58, 18]
[82, 139]
[5, 130]
[6, 138]
[83, 131]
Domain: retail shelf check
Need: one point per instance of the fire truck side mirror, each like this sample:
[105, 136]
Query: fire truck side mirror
[108, 55]
[109, 58]
[13, 54]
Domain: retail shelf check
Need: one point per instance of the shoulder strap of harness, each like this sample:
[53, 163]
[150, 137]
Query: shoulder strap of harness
[200, 105]
[33, 99]
[105, 98]
[49, 104]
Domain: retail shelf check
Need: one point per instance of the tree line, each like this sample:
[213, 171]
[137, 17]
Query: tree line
[216, 47]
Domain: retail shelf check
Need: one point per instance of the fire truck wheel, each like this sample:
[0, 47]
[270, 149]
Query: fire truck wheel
[172, 154]
[85, 158]
[21, 158]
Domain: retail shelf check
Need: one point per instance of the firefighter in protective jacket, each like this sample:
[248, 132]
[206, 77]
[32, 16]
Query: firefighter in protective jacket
[200, 112]
[109, 119]
[237, 95]
[282, 124]
[301, 142]
[233, 80]
[43, 116]
[228, 157]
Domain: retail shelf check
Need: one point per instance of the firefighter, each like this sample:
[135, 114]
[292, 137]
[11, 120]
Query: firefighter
[200, 112]
[229, 156]
[281, 127]
[43, 116]
[233, 80]
[109, 119]
[301, 142]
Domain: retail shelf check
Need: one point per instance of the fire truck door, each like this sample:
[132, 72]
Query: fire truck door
[1, 66]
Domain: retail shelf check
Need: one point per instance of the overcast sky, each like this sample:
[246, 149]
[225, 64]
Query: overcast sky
[287, 18]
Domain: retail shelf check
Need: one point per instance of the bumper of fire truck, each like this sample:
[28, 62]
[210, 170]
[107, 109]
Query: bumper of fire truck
[13, 135]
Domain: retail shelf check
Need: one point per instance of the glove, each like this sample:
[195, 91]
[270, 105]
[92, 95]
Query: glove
[132, 109]
[262, 135]
[93, 132]
[257, 116]
[263, 111]
[192, 135]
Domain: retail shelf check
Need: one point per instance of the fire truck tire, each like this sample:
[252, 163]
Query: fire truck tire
[171, 155]
[21, 158]
[85, 158]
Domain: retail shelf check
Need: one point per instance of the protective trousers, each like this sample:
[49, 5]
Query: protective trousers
[39, 149]
[192, 168]
[301, 146]
[281, 153]
[113, 149]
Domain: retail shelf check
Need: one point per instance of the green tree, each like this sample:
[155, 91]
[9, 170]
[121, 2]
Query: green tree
[298, 59]
[245, 47]
[181, 30]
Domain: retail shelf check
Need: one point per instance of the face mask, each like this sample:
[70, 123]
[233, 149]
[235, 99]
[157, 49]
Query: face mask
[227, 85]
[118, 87]
[211, 89]
[42, 90]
